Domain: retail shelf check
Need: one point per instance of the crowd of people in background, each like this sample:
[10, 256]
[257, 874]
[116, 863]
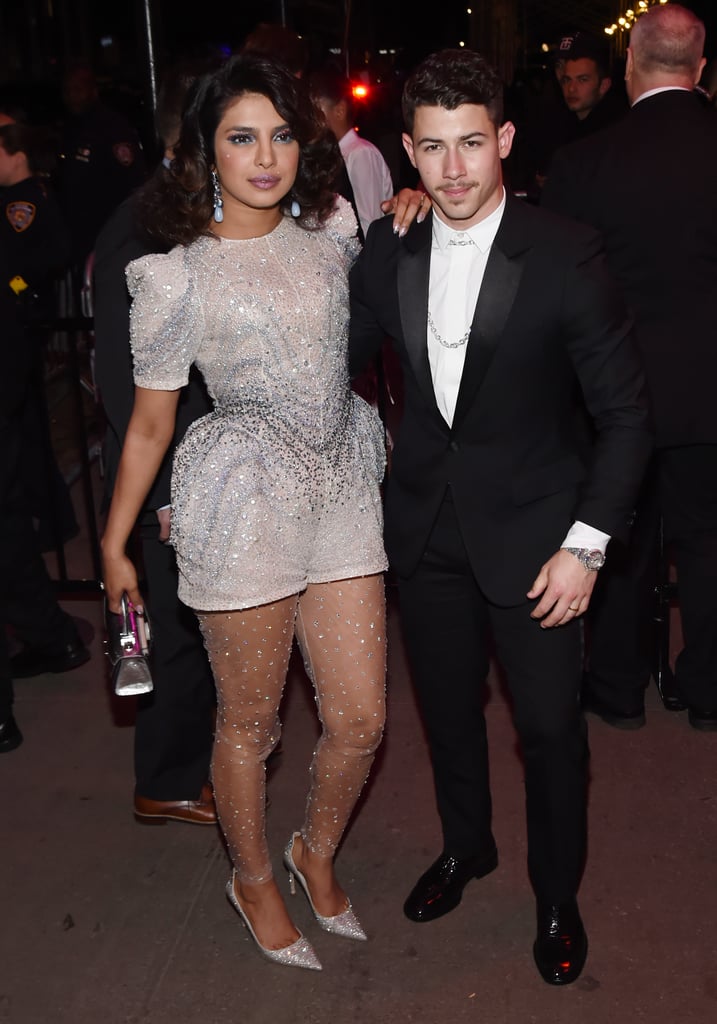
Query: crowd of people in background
[556, 362]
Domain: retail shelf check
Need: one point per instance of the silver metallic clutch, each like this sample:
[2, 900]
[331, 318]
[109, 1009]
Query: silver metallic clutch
[128, 646]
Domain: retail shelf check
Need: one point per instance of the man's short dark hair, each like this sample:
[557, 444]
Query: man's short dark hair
[330, 84]
[36, 142]
[450, 79]
[581, 45]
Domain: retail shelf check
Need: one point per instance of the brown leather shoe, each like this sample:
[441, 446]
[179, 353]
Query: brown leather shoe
[194, 812]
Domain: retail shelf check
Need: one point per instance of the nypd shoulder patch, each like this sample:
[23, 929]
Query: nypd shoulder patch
[20, 214]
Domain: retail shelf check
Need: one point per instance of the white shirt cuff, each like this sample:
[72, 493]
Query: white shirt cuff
[580, 535]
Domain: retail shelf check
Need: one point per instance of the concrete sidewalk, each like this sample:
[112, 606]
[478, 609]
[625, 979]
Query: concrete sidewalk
[108, 922]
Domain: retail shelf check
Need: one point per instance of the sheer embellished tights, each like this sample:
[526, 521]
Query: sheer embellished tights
[340, 628]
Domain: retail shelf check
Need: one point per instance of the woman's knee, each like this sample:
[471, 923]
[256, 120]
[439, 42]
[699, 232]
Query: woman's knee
[255, 733]
[356, 734]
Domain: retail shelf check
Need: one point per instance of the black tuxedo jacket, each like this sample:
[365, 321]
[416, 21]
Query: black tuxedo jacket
[648, 185]
[120, 241]
[548, 322]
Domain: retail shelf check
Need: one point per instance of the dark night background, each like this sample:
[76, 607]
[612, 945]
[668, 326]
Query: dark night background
[40, 38]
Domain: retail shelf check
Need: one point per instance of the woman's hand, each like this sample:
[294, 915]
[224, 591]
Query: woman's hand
[408, 205]
[120, 576]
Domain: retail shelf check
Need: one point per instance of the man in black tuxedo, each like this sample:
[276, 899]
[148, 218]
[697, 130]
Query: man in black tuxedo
[497, 514]
[174, 725]
[648, 184]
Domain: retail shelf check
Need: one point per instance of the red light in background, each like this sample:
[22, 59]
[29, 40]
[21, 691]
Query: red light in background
[359, 91]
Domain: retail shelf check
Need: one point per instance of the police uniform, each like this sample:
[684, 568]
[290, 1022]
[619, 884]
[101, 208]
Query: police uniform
[11, 389]
[35, 239]
[36, 245]
[27, 597]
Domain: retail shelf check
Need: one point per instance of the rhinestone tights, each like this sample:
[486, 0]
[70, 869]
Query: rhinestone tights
[340, 628]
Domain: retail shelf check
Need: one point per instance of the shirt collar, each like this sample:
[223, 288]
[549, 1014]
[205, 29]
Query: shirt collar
[481, 234]
[663, 88]
[346, 141]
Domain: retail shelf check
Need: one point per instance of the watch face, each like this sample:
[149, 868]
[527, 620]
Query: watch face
[595, 559]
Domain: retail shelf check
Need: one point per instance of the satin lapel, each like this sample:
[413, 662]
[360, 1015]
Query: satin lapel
[413, 269]
[495, 301]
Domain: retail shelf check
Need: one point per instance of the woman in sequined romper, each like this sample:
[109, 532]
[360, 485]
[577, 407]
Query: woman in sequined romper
[276, 514]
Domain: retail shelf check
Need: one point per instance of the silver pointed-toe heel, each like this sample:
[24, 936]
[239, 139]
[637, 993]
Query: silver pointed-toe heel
[345, 924]
[298, 954]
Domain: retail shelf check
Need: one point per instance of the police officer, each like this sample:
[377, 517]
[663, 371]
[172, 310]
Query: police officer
[31, 224]
[34, 249]
[36, 243]
[14, 356]
[27, 599]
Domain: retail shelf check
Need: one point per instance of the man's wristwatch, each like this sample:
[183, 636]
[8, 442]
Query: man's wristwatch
[592, 560]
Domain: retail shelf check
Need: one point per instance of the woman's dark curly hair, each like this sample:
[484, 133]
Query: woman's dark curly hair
[177, 207]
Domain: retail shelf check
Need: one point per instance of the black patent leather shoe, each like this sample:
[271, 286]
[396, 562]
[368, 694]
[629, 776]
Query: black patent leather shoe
[36, 661]
[561, 945]
[10, 735]
[672, 701]
[618, 719]
[705, 721]
[669, 690]
[439, 890]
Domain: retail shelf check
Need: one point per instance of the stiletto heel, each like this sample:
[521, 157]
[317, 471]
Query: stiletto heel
[345, 924]
[298, 954]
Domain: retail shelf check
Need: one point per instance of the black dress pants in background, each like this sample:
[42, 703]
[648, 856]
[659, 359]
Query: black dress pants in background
[174, 728]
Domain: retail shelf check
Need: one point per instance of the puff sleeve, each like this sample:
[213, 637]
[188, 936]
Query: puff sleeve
[342, 228]
[166, 320]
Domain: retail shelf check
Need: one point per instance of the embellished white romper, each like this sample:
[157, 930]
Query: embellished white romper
[278, 487]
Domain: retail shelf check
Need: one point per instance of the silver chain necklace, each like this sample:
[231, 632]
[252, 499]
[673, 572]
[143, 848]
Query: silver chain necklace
[441, 340]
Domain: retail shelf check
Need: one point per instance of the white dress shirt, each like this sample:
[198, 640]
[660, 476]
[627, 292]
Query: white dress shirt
[458, 262]
[369, 176]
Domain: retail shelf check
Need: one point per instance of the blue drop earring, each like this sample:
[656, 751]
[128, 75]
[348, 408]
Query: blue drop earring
[218, 201]
[295, 208]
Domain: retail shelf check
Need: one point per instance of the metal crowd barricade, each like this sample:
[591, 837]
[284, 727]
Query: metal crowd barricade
[68, 333]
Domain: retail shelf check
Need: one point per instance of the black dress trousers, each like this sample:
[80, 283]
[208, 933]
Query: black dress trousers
[447, 623]
[174, 726]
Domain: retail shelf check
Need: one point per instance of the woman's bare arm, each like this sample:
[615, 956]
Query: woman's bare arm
[148, 437]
